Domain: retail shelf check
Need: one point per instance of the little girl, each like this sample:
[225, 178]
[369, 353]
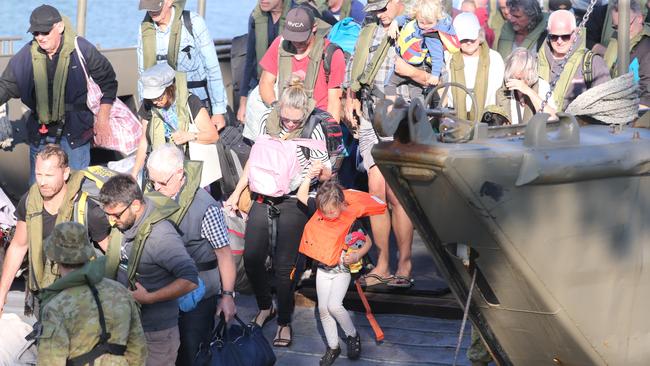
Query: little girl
[332, 281]
[420, 43]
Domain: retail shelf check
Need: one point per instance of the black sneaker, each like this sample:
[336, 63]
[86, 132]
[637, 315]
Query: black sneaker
[330, 356]
[354, 346]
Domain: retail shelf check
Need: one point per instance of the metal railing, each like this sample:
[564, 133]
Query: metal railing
[7, 44]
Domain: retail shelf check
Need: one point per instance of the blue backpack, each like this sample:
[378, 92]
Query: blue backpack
[345, 34]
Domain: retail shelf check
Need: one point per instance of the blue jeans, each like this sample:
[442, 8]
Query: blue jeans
[195, 328]
[78, 158]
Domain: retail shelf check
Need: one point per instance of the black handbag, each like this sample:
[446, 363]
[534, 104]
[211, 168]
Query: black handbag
[237, 345]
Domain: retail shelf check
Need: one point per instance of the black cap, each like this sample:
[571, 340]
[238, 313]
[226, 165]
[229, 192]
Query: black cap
[43, 18]
[298, 25]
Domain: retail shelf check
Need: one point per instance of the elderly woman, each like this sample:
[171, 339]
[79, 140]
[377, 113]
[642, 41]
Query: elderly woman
[171, 114]
[287, 122]
[476, 66]
[523, 91]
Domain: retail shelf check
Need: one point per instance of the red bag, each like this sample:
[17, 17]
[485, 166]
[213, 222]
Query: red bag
[124, 130]
[324, 239]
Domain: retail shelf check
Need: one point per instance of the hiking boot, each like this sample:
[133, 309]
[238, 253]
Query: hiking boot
[354, 346]
[330, 356]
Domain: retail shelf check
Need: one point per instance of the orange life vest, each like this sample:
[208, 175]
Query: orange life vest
[324, 239]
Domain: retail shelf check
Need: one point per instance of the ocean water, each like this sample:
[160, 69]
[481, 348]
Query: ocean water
[115, 23]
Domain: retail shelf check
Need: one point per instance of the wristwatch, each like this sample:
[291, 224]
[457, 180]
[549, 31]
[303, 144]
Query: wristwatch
[228, 293]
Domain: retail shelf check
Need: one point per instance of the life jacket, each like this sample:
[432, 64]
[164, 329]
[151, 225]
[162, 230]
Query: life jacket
[410, 43]
[346, 8]
[364, 71]
[165, 207]
[273, 164]
[575, 61]
[324, 239]
[533, 41]
[41, 81]
[149, 50]
[611, 54]
[285, 67]
[457, 70]
[156, 127]
[81, 186]
[261, 20]
[192, 184]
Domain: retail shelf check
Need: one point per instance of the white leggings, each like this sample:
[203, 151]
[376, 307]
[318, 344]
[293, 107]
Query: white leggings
[331, 289]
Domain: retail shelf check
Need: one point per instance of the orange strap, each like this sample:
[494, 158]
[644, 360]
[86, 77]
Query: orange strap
[379, 334]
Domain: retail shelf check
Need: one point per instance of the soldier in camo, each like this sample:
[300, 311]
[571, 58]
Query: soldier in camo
[70, 317]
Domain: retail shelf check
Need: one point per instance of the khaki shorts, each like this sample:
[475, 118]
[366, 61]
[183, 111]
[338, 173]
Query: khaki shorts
[162, 346]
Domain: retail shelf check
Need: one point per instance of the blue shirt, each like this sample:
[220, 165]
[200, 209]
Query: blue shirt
[356, 12]
[199, 63]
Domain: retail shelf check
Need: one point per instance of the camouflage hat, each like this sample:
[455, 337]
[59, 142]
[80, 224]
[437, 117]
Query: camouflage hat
[495, 115]
[375, 5]
[69, 244]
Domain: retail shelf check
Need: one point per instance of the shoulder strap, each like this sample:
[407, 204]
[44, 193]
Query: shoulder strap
[587, 68]
[187, 20]
[346, 8]
[327, 59]
[102, 347]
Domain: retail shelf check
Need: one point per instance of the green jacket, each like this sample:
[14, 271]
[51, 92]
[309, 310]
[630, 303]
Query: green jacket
[156, 127]
[261, 20]
[70, 319]
[506, 41]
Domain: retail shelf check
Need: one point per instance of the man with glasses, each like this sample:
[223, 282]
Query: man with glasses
[639, 49]
[47, 75]
[53, 199]
[154, 264]
[181, 39]
[205, 235]
[583, 68]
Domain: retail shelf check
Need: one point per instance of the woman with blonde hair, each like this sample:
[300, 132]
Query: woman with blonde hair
[286, 122]
[523, 91]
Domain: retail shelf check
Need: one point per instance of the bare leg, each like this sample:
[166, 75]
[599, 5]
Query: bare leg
[403, 229]
[380, 223]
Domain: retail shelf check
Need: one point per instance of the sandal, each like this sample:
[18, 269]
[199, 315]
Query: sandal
[371, 279]
[401, 282]
[269, 317]
[283, 342]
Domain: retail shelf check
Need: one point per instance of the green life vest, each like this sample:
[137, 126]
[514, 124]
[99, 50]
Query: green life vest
[42, 271]
[156, 127]
[574, 62]
[261, 19]
[457, 67]
[274, 128]
[148, 30]
[285, 67]
[362, 73]
[611, 54]
[193, 171]
[164, 207]
[504, 44]
[39, 62]
[496, 21]
[503, 100]
[345, 10]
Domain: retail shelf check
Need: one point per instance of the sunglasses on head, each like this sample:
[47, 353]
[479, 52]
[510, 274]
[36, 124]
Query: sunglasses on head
[45, 34]
[564, 37]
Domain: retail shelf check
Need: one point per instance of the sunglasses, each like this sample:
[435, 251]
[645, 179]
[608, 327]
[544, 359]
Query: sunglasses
[292, 121]
[44, 34]
[118, 215]
[564, 37]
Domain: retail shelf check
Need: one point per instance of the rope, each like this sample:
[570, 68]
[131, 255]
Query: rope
[465, 315]
[565, 59]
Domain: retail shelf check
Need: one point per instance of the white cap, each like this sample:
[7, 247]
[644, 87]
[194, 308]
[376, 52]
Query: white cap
[156, 79]
[466, 26]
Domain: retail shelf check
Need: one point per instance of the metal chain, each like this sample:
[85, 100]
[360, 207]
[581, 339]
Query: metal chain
[565, 59]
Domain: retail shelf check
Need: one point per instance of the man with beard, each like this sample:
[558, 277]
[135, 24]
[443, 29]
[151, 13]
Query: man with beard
[525, 27]
[49, 201]
[154, 264]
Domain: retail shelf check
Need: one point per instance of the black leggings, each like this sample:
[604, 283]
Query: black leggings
[292, 220]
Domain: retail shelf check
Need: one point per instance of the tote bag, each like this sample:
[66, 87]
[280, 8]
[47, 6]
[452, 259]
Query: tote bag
[125, 128]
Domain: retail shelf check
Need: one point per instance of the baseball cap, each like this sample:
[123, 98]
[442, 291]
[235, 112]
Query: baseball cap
[43, 18]
[375, 5]
[298, 25]
[466, 26]
[69, 244]
[156, 79]
[151, 5]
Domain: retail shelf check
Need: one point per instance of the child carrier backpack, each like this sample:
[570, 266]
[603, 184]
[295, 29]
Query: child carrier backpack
[333, 137]
[273, 163]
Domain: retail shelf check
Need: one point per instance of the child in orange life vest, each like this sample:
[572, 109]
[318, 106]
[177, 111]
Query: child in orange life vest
[332, 281]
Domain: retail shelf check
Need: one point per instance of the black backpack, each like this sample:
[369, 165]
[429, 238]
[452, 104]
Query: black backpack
[333, 136]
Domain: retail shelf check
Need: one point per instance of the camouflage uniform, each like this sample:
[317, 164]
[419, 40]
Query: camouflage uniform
[69, 315]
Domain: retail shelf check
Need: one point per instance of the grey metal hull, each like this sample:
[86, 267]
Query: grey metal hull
[559, 233]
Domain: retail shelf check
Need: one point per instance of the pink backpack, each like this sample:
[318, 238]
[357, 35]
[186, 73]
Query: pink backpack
[273, 163]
